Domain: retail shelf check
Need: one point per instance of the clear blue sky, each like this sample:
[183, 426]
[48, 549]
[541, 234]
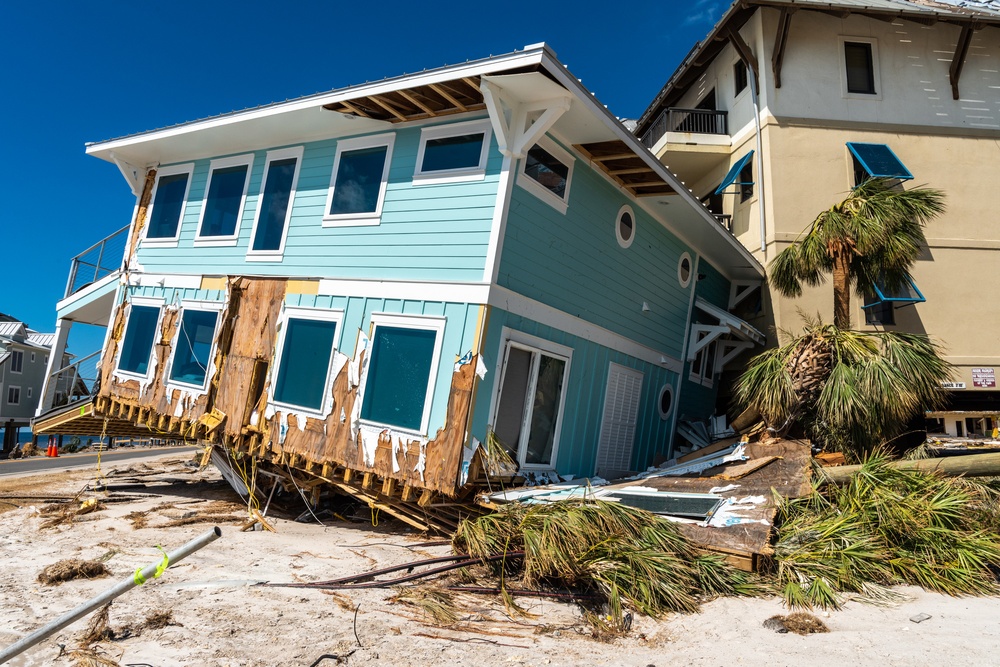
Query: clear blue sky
[73, 72]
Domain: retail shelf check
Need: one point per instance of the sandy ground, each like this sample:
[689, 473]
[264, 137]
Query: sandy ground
[223, 619]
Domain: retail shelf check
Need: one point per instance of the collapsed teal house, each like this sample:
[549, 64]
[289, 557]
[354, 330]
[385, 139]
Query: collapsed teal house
[360, 286]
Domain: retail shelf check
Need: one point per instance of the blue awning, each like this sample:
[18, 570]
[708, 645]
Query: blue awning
[734, 173]
[907, 295]
[879, 161]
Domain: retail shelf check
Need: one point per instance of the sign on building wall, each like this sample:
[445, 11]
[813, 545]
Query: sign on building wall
[984, 377]
[953, 385]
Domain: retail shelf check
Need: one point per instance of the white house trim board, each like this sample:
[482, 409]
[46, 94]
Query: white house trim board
[498, 226]
[174, 280]
[730, 350]
[476, 293]
[727, 319]
[516, 304]
[514, 136]
[134, 176]
[701, 342]
[739, 290]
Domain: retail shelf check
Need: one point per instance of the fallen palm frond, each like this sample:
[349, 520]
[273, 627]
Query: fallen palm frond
[138, 518]
[629, 556]
[85, 657]
[888, 527]
[800, 623]
[72, 568]
[437, 604]
[157, 620]
[99, 629]
[68, 512]
[203, 518]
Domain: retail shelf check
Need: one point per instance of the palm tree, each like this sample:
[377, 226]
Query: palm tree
[872, 236]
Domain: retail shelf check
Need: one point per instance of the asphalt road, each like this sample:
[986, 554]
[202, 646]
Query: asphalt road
[68, 461]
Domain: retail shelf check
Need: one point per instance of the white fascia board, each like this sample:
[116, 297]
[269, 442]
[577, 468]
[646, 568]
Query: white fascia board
[479, 67]
[600, 111]
[178, 281]
[85, 293]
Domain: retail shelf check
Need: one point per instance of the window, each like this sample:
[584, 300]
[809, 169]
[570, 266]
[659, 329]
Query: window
[878, 311]
[399, 384]
[308, 340]
[225, 196]
[741, 174]
[739, 77]
[684, 270]
[859, 67]
[546, 172]
[29, 392]
[746, 181]
[16, 361]
[193, 344]
[881, 302]
[274, 205]
[453, 153]
[703, 366]
[529, 408]
[169, 195]
[625, 226]
[13, 395]
[140, 335]
[665, 402]
[32, 357]
[359, 179]
[876, 161]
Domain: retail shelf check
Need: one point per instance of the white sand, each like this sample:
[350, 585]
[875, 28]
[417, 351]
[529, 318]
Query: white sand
[227, 622]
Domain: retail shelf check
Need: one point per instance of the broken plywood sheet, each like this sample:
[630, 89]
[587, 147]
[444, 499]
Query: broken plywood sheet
[788, 475]
[741, 469]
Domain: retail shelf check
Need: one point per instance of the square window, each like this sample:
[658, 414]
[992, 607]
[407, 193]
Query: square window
[225, 194]
[169, 195]
[359, 180]
[16, 361]
[453, 153]
[193, 347]
[274, 205]
[702, 368]
[859, 62]
[401, 371]
[308, 340]
[137, 344]
[13, 395]
[546, 171]
[878, 311]
[746, 182]
[739, 77]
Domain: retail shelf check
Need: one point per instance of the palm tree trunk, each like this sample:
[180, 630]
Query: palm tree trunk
[841, 292]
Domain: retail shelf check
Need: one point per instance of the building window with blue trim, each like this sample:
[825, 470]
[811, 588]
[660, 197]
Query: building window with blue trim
[193, 345]
[740, 174]
[876, 161]
[308, 341]
[140, 335]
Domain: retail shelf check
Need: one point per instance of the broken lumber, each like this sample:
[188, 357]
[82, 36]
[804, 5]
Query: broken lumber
[974, 465]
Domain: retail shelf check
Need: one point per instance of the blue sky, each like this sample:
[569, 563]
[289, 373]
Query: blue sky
[73, 72]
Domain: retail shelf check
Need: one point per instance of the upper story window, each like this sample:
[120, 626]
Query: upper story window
[746, 181]
[876, 161]
[16, 361]
[169, 197]
[358, 183]
[625, 226]
[225, 196]
[399, 385]
[140, 335]
[453, 153]
[860, 66]
[308, 340]
[547, 172]
[193, 343]
[13, 396]
[274, 205]
[739, 77]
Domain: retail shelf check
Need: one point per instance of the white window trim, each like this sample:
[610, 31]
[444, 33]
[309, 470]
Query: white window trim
[877, 95]
[186, 168]
[272, 156]
[224, 163]
[680, 263]
[740, 95]
[126, 375]
[32, 357]
[665, 389]
[623, 242]
[462, 174]
[526, 341]
[29, 392]
[9, 388]
[359, 219]
[197, 390]
[561, 204]
[320, 315]
[12, 371]
[703, 375]
[401, 321]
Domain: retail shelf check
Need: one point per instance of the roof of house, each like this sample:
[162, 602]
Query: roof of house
[972, 13]
[10, 329]
[533, 73]
[43, 339]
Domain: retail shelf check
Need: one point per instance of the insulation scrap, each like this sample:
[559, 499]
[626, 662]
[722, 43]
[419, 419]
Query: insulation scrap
[70, 569]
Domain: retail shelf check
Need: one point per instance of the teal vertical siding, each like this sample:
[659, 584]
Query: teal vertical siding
[459, 333]
[573, 262]
[437, 232]
[585, 389]
[714, 287]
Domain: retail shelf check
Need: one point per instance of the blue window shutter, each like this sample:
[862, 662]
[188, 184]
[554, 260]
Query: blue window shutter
[879, 161]
[734, 173]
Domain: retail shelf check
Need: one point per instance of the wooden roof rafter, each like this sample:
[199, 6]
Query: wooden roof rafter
[417, 103]
[626, 168]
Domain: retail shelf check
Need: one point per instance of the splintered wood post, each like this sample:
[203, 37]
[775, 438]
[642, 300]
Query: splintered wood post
[368, 481]
[327, 471]
[314, 495]
[388, 486]
[408, 493]
[425, 498]
[348, 475]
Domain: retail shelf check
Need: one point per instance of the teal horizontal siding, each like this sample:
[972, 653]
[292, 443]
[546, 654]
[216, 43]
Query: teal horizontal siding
[437, 232]
[459, 333]
[573, 262]
[585, 394]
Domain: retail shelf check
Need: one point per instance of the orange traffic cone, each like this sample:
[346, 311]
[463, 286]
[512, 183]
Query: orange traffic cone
[55, 451]
[48, 450]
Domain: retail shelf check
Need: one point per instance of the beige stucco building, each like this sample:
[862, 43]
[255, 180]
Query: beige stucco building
[910, 88]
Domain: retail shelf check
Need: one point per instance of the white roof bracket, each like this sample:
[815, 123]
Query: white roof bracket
[134, 175]
[509, 116]
[712, 332]
[736, 326]
[739, 290]
[730, 350]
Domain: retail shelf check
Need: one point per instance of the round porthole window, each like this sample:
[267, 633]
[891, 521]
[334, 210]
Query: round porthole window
[625, 226]
[684, 269]
[666, 402]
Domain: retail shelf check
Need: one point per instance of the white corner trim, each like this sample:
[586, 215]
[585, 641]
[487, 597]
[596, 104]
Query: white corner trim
[516, 304]
[394, 289]
[498, 226]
